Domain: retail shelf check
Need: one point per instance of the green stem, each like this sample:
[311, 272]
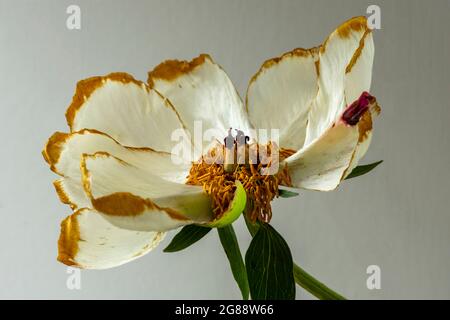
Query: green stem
[302, 278]
[314, 286]
[231, 246]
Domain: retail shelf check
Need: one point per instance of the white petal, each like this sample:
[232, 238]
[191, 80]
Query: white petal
[359, 73]
[89, 241]
[201, 91]
[279, 96]
[340, 51]
[125, 109]
[322, 164]
[330, 158]
[134, 198]
[63, 152]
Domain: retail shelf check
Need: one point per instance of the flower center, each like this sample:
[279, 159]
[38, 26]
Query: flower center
[255, 166]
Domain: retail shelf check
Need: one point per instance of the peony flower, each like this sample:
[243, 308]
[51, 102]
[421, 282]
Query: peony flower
[126, 185]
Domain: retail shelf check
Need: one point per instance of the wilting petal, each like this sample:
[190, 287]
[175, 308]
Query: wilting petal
[201, 91]
[134, 198]
[63, 152]
[279, 96]
[330, 158]
[322, 164]
[125, 109]
[88, 241]
[71, 192]
[339, 55]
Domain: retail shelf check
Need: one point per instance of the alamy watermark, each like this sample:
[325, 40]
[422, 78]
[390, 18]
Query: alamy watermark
[373, 17]
[73, 281]
[374, 279]
[73, 21]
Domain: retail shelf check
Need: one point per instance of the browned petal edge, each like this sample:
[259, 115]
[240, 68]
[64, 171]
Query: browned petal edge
[121, 203]
[86, 87]
[54, 146]
[354, 24]
[297, 52]
[68, 239]
[172, 69]
[62, 195]
[344, 31]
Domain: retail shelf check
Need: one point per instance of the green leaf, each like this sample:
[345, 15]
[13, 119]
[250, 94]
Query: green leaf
[360, 170]
[302, 278]
[187, 236]
[230, 245]
[270, 266]
[286, 193]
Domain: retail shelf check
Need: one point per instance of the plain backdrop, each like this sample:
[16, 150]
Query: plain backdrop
[397, 217]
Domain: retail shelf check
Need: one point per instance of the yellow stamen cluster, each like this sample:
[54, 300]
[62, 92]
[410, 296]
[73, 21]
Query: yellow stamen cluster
[218, 180]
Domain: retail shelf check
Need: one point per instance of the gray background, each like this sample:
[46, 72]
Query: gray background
[397, 217]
